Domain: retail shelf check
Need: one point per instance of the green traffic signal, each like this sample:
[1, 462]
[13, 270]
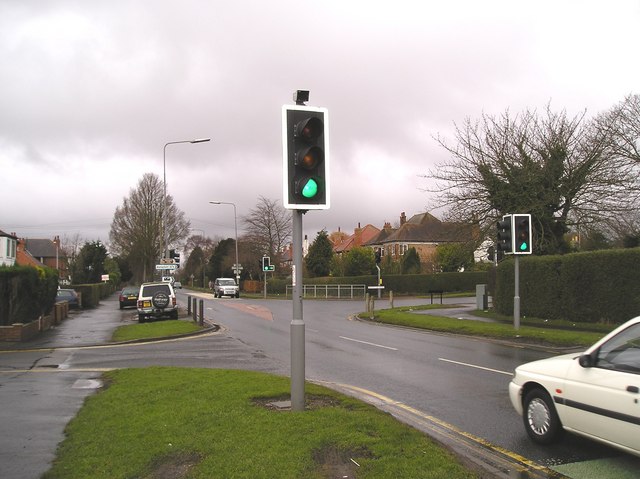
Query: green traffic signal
[310, 188]
[523, 246]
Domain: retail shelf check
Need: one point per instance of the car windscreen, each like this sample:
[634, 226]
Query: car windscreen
[227, 282]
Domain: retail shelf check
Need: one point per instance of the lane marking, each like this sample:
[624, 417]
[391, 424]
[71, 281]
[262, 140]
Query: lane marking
[475, 366]
[368, 343]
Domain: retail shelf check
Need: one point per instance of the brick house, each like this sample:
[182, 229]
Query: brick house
[39, 252]
[8, 248]
[360, 237]
[424, 232]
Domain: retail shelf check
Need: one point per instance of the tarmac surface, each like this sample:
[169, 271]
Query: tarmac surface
[41, 391]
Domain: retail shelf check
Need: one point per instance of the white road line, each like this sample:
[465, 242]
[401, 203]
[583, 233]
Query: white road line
[476, 366]
[370, 344]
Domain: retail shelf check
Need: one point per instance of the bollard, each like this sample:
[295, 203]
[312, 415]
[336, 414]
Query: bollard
[195, 311]
[201, 312]
[366, 302]
[188, 305]
[373, 303]
[391, 299]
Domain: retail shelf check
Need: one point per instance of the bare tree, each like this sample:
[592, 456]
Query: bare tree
[268, 227]
[555, 167]
[136, 227]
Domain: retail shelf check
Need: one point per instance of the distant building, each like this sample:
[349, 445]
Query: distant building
[425, 233]
[8, 248]
[43, 252]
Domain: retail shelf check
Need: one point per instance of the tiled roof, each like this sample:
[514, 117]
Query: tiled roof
[426, 228]
[358, 238]
[7, 235]
[41, 248]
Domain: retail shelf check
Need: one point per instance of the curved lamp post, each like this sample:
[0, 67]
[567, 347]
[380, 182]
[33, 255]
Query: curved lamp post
[165, 252]
[235, 223]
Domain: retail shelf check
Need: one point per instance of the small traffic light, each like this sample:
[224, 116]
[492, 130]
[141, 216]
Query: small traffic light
[266, 262]
[378, 256]
[305, 153]
[504, 239]
[174, 255]
[522, 234]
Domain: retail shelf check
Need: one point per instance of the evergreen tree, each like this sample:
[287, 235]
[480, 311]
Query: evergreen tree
[318, 259]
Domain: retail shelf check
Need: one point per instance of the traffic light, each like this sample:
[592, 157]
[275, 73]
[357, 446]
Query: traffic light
[175, 256]
[522, 234]
[266, 262]
[305, 153]
[504, 239]
[378, 256]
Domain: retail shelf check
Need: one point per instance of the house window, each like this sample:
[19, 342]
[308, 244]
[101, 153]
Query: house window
[11, 248]
[403, 249]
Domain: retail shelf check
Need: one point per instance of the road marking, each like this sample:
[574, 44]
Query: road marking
[476, 366]
[370, 344]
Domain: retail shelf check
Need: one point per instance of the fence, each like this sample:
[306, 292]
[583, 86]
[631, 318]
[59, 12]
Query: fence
[331, 291]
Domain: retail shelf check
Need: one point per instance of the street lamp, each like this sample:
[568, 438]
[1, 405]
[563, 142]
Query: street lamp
[164, 183]
[235, 222]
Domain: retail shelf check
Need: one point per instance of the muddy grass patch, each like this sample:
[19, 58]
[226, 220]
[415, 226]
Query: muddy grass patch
[333, 462]
[283, 403]
[173, 466]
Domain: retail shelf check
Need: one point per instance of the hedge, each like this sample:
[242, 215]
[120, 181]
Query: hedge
[598, 286]
[26, 293]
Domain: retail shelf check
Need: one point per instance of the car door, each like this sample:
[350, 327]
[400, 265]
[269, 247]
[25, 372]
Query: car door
[603, 400]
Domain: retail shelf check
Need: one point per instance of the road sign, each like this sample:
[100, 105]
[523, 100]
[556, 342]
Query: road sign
[167, 261]
[166, 266]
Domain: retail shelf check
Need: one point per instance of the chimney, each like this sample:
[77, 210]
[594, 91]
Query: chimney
[403, 218]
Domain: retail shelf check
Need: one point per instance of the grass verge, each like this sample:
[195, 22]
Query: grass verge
[536, 333]
[203, 423]
[156, 329]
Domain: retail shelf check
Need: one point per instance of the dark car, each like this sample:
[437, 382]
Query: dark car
[129, 296]
[68, 295]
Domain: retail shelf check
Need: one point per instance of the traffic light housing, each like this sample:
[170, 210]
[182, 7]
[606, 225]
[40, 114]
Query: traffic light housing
[305, 154]
[504, 241]
[522, 234]
[378, 256]
[175, 256]
[266, 262]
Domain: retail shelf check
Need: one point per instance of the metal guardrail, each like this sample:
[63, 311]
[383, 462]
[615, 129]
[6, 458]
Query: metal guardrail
[331, 291]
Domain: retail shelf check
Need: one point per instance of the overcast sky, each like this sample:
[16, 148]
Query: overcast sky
[90, 92]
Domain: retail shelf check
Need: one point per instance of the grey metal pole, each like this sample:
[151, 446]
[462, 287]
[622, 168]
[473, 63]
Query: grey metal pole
[297, 323]
[516, 297]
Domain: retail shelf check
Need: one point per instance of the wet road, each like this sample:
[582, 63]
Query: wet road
[461, 381]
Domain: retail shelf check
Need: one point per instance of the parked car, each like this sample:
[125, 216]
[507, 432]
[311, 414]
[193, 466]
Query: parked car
[69, 295]
[177, 285]
[129, 296]
[595, 394]
[156, 300]
[225, 287]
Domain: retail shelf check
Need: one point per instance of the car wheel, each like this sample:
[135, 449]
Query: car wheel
[540, 417]
[174, 314]
[160, 300]
[141, 318]
[237, 295]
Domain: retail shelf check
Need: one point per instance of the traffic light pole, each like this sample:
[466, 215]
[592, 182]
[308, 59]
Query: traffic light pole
[516, 295]
[297, 323]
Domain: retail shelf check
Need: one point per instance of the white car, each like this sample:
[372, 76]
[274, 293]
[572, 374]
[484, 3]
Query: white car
[595, 394]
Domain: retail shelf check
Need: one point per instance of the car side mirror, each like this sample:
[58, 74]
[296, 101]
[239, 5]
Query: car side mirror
[586, 361]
